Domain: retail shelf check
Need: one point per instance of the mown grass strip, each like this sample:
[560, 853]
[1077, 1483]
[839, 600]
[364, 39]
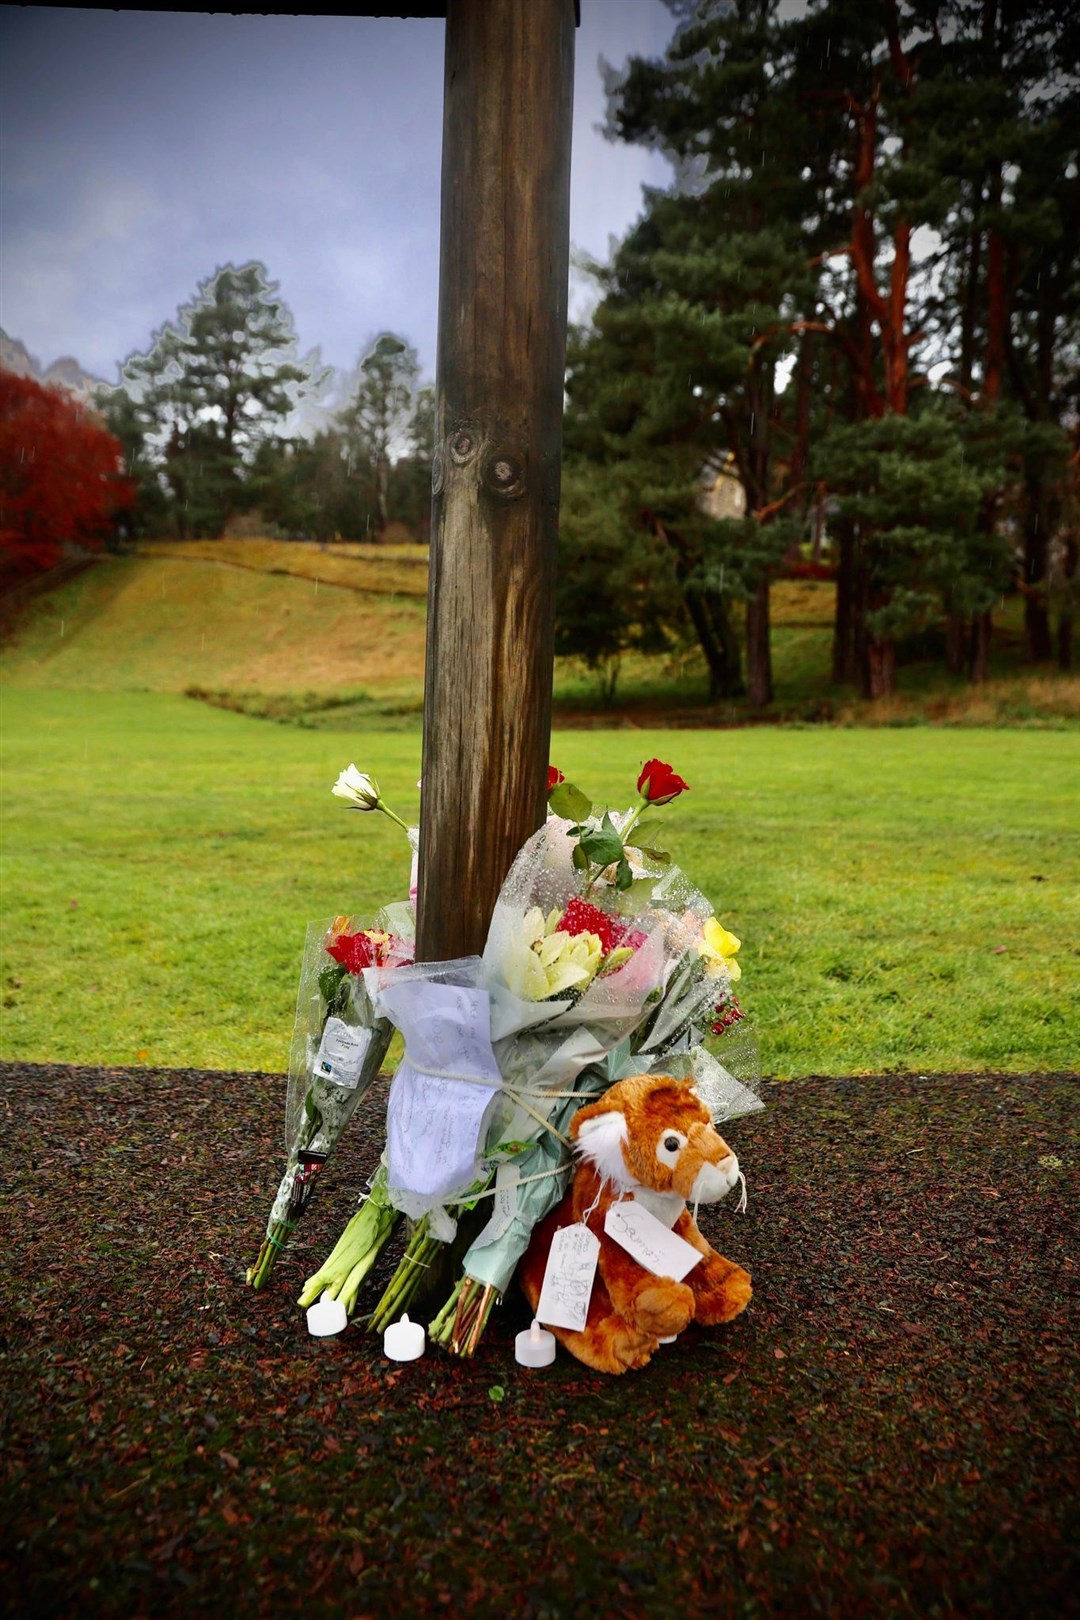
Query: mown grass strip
[906, 899]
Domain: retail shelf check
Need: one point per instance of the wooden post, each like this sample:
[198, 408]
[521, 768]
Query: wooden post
[495, 477]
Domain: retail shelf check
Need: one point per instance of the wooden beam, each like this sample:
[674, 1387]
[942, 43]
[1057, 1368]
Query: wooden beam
[501, 357]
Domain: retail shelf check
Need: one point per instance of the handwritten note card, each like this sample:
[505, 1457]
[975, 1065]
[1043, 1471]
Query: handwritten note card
[443, 1088]
[568, 1280]
[505, 1205]
[649, 1241]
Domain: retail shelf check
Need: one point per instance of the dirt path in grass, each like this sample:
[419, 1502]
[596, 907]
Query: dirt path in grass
[888, 1429]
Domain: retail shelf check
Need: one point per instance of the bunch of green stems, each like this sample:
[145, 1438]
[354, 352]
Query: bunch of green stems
[412, 1273]
[357, 1249]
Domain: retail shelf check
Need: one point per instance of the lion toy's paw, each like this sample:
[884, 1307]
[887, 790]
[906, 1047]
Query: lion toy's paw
[662, 1307]
[723, 1300]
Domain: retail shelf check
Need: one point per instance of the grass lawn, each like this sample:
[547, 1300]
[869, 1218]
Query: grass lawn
[906, 898]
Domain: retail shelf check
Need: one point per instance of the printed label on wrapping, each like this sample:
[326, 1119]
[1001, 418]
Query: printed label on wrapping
[505, 1201]
[341, 1053]
[649, 1241]
[309, 1163]
[568, 1280]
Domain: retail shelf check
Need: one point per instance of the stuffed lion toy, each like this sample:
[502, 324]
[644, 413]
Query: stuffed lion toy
[652, 1139]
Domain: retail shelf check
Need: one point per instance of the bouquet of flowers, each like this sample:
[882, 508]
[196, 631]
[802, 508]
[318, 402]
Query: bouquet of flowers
[602, 960]
[339, 1040]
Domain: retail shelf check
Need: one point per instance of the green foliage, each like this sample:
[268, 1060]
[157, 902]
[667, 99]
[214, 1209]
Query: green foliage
[567, 800]
[916, 487]
[614, 589]
[383, 410]
[809, 149]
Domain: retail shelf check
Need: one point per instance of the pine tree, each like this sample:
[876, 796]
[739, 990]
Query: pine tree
[381, 413]
[214, 385]
[720, 270]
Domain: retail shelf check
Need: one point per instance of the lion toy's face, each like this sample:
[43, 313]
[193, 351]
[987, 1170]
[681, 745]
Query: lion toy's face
[656, 1133]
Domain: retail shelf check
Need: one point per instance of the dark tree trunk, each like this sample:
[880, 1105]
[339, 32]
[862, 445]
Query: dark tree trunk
[709, 617]
[1036, 608]
[717, 640]
[970, 304]
[1065, 613]
[382, 508]
[725, 639]
[879, 667]
[875, 655]
[844, 624]
[979, 653]
[819, 527]
[955, 634]
[759, 683]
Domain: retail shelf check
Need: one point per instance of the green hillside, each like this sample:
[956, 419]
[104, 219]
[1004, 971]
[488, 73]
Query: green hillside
[174, 617]
[334, 636]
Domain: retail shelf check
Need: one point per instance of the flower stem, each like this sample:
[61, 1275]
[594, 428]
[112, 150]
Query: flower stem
[635, 816]
[386, 810]
[404, 1284]
[272, 1245]
[462, 1320]
[438, 1328]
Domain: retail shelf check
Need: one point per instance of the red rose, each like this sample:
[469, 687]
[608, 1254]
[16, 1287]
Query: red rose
[582, 918]
[658, 783]
[554, 777]
[356, 952]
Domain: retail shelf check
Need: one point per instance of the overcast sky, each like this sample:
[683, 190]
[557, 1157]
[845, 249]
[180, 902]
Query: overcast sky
[141, 150]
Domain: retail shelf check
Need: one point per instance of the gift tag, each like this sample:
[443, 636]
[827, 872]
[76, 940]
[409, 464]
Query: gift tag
[649, 1241]
[568, 1280]
[505, 1205]
[341, 1053]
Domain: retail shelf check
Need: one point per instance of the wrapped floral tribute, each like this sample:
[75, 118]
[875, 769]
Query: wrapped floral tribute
[602, 961]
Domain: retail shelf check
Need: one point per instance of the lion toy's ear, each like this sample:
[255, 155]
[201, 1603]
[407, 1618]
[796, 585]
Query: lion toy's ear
[598, 1133]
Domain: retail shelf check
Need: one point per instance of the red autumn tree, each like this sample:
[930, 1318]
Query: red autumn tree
[61, 477]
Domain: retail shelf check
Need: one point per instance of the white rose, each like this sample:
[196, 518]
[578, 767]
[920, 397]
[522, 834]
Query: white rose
[361, 791]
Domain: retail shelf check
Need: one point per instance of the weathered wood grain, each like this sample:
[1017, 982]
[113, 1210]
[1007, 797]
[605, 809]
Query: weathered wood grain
[495, 479]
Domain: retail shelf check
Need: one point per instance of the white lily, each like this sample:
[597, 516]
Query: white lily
[550, 961]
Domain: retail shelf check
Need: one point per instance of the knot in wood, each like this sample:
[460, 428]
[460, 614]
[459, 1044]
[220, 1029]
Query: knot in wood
[503, 473]
[463, 445]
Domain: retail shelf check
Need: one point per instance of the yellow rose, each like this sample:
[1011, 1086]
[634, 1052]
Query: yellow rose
[718, 947]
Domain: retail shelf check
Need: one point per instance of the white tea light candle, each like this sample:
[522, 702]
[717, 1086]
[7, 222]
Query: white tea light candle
[404, 1340]
[326, 1316]
[535, 1347]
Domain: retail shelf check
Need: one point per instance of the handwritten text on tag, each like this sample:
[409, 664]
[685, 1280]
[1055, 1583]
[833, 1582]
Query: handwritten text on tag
[568, 1280]
[505, 1201]
[649, 1241]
